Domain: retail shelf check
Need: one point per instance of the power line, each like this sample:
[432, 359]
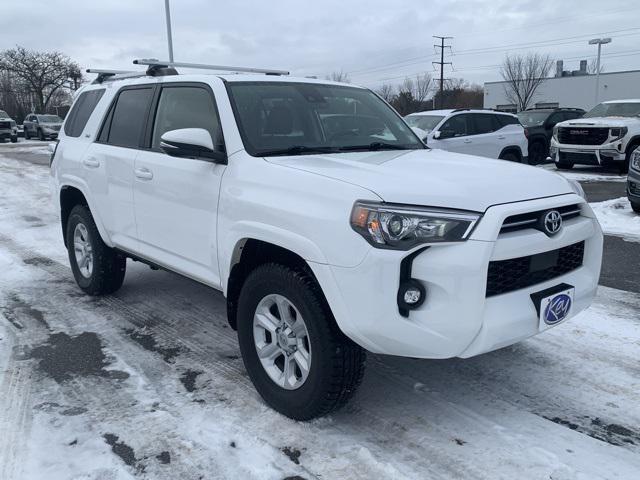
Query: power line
[442, 63]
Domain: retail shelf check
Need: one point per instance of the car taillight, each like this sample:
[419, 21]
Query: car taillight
[526, 132]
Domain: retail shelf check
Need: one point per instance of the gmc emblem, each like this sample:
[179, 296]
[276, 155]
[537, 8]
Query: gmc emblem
[579, 132]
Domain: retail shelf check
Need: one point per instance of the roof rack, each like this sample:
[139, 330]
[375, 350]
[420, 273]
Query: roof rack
[465, 109]
[555, 108]
[107, 74]
[155, 64]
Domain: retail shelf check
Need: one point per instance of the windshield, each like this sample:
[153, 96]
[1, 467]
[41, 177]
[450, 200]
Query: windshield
[532, 119]
[49, 119]
[423, 122]
[4, 114]
[631, 109]
[277, 118]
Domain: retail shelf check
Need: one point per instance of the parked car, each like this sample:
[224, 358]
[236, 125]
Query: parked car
[20, 130]
[42, 126]
[633, 181]
[330, 228]
[538, 125]
[485, 133]
[8, 128]
[606, 136]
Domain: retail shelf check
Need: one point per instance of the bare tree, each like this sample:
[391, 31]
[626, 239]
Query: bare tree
[523, 75]
[42, 74]
[592, 68]
[419, 87]
[386, 92]
[340, 76]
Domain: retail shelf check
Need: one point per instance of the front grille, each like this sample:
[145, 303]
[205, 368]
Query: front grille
[506, 276]
[582, 135]
[523, 221]
[5, 125]
[634, 188]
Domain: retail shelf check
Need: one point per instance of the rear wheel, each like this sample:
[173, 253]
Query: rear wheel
[98, 269]
[301, 364]
[537, 153]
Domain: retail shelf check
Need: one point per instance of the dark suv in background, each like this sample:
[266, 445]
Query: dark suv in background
[538, 125]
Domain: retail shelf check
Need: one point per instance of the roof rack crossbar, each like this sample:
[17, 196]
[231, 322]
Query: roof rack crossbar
[107, 74]
[153, 62]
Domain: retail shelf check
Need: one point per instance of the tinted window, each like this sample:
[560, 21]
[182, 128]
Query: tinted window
[505, 120]
[555, 118]
[457, 125]
[129, 116]
[572, 115]
[484, 123]
[81, 111]
[186, 107]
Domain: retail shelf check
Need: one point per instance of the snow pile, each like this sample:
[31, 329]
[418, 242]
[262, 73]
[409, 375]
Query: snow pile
[617, 218]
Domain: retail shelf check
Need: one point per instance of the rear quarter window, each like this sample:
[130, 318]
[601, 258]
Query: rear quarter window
[81, 111]
[505, 120]
[127, 118]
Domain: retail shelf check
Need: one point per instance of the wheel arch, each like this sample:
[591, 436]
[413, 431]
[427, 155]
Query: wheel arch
[635, 140]
[69, 197]
[512, 149]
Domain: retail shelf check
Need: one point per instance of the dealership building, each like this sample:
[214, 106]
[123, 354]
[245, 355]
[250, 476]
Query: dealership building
[575, 89]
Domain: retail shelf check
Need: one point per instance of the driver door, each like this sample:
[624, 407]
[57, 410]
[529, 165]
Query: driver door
[458, 130]
[176, 199]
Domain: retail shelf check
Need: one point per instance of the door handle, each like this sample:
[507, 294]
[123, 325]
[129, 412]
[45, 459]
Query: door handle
[501, 137]
[467, 140]
[144, 173]
[91, 162]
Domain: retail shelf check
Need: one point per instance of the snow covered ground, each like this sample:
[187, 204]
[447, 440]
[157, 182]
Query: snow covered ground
[617, 218]
[587, 174]
[148, 384]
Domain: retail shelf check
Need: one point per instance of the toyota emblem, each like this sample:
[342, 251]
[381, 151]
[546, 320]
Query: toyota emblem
[552, 222]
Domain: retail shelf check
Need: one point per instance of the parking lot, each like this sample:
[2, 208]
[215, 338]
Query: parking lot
[148, 383]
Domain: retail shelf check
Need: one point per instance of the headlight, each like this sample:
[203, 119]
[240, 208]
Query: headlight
[618, 133]
[402, 227]
[577, 188]
[635, 159]
[555, 133]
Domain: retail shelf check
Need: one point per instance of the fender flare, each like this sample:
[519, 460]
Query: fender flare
[79, 184]
[512, 148]
[245, 230]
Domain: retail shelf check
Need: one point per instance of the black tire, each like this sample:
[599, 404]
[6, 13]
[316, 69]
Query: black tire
[510, 157]
[537, 153]
[337, 363]
[564, 165]
[109, 266]
[635, 206]
[26, 134]
[624, 168]
[14, 139]
[40, 135]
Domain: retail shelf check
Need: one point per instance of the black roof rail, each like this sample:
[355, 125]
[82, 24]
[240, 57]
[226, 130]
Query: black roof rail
[466, 109]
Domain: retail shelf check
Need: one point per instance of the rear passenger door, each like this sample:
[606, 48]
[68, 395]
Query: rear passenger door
[108, 164]
[176, 199]
[487, 141]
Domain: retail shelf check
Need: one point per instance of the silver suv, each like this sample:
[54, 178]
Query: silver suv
[42, 126]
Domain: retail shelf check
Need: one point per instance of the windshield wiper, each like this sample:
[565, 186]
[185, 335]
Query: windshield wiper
[374, 147]
[297, 150]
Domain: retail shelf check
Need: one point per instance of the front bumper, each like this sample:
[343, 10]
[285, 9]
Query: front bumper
[4, 134]
[457, 319]
[598, 155]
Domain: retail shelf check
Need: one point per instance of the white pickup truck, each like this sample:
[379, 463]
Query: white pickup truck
[330, 228]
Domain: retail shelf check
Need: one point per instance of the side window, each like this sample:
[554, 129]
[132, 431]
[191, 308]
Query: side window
[484, 123]
[81, 111]
[186, 107]
[128, 117]
[572, 115]
[555, 118]
[504, 120]
[457, 125]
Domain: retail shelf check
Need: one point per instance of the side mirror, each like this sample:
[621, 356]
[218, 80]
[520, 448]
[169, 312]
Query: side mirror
[437, 135]
[445, 134]
[191, 143]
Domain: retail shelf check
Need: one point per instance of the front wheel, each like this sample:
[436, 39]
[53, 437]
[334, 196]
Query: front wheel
[564, 165]
[98, 269]
[14, 139]
[40, 135]
[301, 364]
[537, 153]
[635, 206]
[26, 134]
[510, 157]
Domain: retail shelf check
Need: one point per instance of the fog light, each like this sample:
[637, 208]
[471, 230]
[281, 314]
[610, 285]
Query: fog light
[411, 295]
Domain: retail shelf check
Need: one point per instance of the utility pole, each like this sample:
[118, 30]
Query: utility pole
[167, 12]
[599, 42]
[442, 63]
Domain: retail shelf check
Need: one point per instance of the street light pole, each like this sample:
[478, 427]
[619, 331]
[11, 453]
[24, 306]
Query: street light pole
[599, 42]
[167, 11]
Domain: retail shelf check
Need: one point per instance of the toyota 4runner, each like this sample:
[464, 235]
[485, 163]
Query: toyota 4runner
[330, 228]
[606, 136]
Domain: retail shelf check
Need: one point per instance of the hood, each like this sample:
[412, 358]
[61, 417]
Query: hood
[434, 178]
[601, 122]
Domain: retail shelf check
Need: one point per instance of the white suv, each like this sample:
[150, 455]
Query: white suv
[327, 224]
[606, 136]
[485, 133]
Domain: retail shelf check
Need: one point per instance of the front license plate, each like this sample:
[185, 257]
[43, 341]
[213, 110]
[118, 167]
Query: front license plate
[553, 305]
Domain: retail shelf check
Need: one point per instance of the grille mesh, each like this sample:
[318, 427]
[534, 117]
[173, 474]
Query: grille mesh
[582, 135]
[513, 274]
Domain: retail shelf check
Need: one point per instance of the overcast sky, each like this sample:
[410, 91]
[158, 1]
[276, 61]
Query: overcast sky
[374, 41]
